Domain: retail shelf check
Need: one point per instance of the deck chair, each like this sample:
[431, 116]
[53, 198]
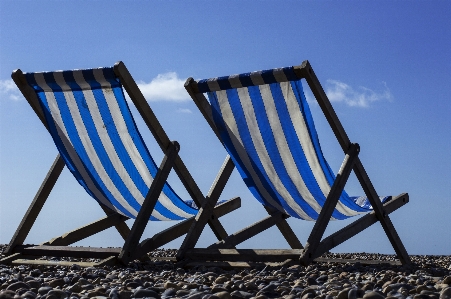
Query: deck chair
[264, 122]
[88, 117]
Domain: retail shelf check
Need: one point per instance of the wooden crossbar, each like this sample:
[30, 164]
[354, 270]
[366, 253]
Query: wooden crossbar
[315, 247]
[132, 248]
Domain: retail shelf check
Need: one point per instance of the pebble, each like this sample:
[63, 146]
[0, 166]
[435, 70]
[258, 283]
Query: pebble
[428, 278]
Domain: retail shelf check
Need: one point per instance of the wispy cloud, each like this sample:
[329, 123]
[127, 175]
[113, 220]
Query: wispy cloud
[9, 90]
[338, 91]
[165, 87]
[184, 110]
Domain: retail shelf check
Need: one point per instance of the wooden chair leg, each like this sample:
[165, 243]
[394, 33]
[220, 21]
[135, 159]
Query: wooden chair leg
[183, 227]
[329, 206]
[287, 232]
[382, 215]
[87, 230]
[206, 211]
[127, 253]
[36, 205]
[359, 225]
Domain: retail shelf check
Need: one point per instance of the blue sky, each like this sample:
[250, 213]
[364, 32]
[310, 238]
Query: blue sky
[386, 66]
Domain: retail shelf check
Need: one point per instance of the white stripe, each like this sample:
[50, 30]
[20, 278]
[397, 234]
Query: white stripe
[234, 134]
[263, 154]
[105, 138]
[302, 132]
[62, 132]
[132, 151]
[285, 152]
[89, 148]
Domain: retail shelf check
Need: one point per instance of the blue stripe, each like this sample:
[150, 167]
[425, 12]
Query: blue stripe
[123, 155]
[330, 176]
[58, 142]
[94, 134]
[227, 140]
[297, 150]
[271, 146]
[250, 149]
[95, 139]
[144, 153]
[70, 128]
[274, 154]
[78, 145]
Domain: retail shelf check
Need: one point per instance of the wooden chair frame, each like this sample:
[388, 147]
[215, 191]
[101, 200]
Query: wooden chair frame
[18, 253]
[315, 246]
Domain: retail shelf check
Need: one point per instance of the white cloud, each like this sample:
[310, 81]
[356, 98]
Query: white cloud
[338, 91]
[165, 87]
[184, 110]
[9, 90]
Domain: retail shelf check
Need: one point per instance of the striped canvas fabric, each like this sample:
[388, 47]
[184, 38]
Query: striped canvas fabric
[267, 128]
[94, 131]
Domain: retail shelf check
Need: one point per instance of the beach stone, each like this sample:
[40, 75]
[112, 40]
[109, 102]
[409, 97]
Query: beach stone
[44, 290]
[445, 293]
[311, 281]
[171, 285]
[260, 297]
[124, 294]
[76, 288]
[218, 288]
[343, 294]
[75, 267]
[196, 295]
[308, 291]
[133, 285]
[241, 294]
[114, 293]
[308, 296]
[87, 287]
[34, 284]
[98, 292]
[210, 296]
[57, 283]
[373, 295]
[7, 294]
[221, 280]
[168, 293]
[28, 295]
[251, 285]
[18, 285]
[223, 295]
[35, 272]
[141, 293]
[355, 293]
[57, 294]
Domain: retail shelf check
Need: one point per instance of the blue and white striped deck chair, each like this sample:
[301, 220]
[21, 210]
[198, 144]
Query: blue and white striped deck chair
[264, 122]
[88, 117]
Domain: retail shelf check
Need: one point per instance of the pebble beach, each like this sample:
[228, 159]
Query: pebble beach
[429, 277]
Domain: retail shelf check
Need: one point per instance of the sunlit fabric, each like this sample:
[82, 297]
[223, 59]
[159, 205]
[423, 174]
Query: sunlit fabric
[265, 124]
[94, 131]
